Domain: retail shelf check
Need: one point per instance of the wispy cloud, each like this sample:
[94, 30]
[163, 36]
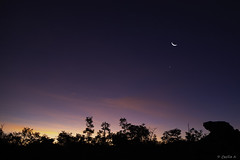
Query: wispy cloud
[104, 107]
[145, 106]
[68, 112]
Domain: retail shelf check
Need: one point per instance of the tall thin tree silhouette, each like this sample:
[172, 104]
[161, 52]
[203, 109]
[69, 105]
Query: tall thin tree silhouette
[89, 129]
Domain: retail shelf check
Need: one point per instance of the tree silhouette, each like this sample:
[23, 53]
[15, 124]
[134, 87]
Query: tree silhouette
[121, 137]
[80, 138]
[131, 133]
[124, 124]
[3, 139]
[171, 136]
[29, 137]
[14, 138]
[89, 129]
[105, 128]
[152, 135]
[132, 141]
[65, 138]
[46, 140]
[138, 133]
[193, 135]
[1, 132]
[104, 134]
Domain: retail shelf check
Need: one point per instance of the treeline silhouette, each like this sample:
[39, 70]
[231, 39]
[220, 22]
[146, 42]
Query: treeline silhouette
[131, 142]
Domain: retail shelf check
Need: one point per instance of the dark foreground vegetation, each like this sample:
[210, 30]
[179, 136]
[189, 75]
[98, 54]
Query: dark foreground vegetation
[131, 142]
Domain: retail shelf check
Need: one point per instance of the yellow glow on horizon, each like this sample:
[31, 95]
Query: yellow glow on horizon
[51, 132]
[12, 127]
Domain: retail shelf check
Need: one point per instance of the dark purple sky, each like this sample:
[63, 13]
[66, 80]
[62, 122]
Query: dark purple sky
[63, 61]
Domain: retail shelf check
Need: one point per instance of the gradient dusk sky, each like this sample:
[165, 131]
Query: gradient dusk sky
[62, 61]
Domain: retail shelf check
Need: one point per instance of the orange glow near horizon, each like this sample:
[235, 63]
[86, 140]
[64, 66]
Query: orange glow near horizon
[71, 118]
[53, 132]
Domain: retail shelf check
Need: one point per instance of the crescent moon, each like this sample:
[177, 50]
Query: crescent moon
[173, 44]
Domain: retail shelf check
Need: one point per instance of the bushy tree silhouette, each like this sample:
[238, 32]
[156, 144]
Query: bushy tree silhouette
[25, 138]
[194, 135]
[46, 140]
[171, 136]
[131, 133]
[65, 138]
[138, 133]
[29, 136]
[80, 138]
[14, 138]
